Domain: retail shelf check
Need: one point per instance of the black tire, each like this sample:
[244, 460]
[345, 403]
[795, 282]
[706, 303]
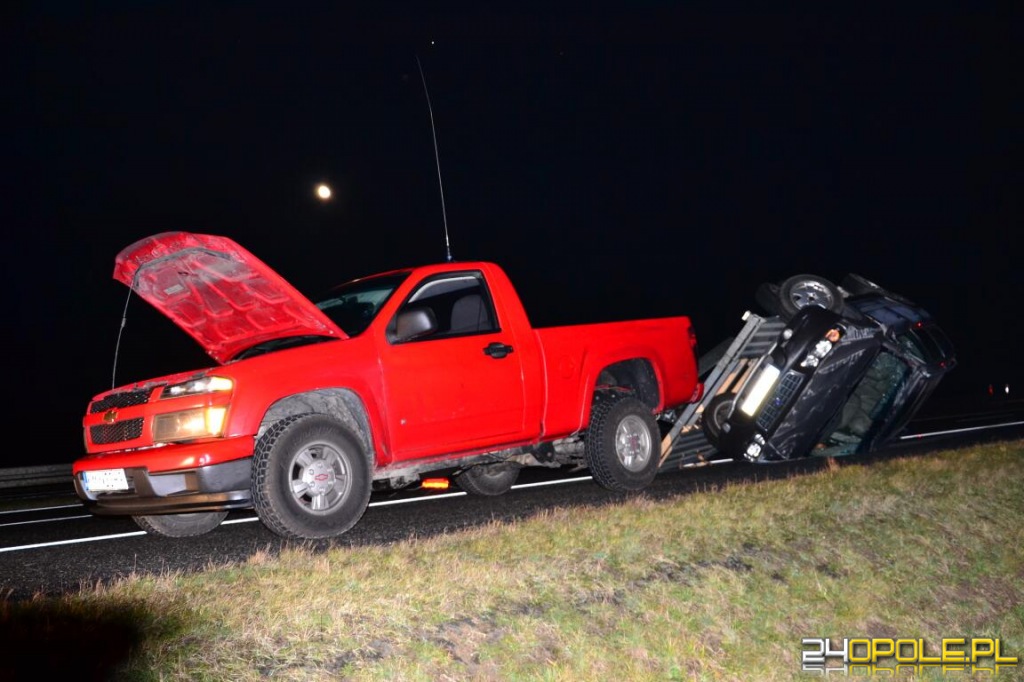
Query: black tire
[802, 291]
[311, 478]
[623, 444]
[180, 525]
[714, 416]
[858, 285]
[489, 480]
[767, 297]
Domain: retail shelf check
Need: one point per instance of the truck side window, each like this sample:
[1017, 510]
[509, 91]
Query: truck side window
[455, 304]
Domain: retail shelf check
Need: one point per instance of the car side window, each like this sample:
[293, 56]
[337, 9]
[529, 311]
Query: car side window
[445, 306]
[913, 345]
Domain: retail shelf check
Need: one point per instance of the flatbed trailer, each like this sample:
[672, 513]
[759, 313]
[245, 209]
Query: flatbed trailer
[722, 370]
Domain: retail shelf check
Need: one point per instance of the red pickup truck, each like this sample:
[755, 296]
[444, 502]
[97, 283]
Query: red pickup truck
[311, 407]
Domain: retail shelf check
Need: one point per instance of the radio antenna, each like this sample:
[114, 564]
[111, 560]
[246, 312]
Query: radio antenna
[120, 331]
[437, 162]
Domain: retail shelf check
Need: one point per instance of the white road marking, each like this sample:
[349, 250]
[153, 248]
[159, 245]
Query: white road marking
[964, 430]
[35, 509]
[71, 542]
[63, 518]
[385, 503]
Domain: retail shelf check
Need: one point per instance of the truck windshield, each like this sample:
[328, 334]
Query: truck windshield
[353, 306]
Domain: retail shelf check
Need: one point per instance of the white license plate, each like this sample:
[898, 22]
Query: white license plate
[105, 480]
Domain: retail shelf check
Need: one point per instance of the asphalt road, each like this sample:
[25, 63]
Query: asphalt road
[51, 548]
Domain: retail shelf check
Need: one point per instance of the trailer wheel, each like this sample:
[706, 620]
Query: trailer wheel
[311, 477]
[714, 416]
[180, 525]
[802, 291]
[622, 444]
[489, 480]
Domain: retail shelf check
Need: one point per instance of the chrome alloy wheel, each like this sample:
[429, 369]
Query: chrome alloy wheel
[809, 292]
[633, 443]
[319, 478]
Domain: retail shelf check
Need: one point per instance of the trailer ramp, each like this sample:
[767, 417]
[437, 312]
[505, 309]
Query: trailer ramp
[721, 369]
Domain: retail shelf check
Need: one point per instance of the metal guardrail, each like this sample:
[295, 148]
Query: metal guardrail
[42, 475]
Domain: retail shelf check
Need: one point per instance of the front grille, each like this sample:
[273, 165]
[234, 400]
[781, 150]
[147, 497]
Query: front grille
[788, 385]
[104, 434]
[123, 399]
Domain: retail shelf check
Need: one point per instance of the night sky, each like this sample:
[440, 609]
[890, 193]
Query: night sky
[655, 159]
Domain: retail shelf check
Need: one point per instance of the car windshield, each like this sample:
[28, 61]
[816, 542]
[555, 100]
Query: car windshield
[280, 344]
[868, 404]
[353, 306]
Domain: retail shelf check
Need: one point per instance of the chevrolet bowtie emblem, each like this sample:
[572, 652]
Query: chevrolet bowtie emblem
[110, 416]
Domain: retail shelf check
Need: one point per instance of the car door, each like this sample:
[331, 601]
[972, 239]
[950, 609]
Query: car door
[452, 377]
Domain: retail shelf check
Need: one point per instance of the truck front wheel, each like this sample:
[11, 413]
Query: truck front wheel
[310, 478]
[622, 443]
[180, 525]
[488, 480]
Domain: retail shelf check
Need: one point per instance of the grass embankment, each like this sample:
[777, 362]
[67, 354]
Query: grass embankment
[718, 585]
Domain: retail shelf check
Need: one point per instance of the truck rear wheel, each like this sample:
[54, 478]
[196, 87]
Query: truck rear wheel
[311, 477]
[180, 525]
[623, 443]
[489, 480]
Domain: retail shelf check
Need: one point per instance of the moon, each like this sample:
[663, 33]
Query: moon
[323, 191]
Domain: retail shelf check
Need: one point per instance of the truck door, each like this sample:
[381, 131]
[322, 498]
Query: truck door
[452, 376]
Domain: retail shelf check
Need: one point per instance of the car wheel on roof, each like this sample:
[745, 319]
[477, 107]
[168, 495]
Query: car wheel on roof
[855, 285]
[798, 292]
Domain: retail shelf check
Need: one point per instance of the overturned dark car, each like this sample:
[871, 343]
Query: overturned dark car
[851, 367]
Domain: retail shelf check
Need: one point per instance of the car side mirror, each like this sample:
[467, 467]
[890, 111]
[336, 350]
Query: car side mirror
[412, 324]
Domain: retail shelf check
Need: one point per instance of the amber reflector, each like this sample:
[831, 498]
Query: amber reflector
[435, 483]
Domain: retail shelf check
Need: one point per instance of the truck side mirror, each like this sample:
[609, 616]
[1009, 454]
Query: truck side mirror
[412, 324]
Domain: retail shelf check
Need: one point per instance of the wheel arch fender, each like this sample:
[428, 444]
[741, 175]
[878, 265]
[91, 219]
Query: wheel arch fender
[343, 404]
[637, 373]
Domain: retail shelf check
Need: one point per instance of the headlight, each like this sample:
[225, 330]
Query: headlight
[188, 424]
[764, 383]
[822, 348]
[754, 447]
[197, 386]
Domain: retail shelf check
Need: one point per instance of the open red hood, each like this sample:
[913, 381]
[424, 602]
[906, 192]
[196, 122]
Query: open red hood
[225, 298]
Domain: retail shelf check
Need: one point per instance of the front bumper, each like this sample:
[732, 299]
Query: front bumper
[217, 487]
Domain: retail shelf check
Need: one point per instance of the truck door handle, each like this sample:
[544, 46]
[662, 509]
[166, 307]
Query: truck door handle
[497, 350]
